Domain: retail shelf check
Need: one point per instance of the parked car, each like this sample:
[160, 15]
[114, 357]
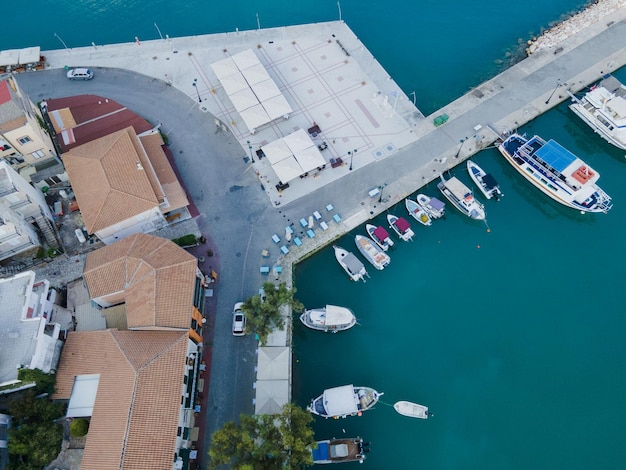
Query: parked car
[80, 74]
[239, 320]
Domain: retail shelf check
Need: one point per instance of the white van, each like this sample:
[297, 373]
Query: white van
[80, 74]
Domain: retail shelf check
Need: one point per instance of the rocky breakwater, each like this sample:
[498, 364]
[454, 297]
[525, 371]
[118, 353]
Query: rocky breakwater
[569, 27]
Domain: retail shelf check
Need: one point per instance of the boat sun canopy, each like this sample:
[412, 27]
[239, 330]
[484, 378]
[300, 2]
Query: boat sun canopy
[337, 315]
[340, 401]
[489, 181]
[556, 156]
[321, 453]
[402, 224]
[436, 204]
[381, 233]
[353, 263]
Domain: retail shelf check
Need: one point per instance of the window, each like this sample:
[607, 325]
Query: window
[24, 140]
[38, 154]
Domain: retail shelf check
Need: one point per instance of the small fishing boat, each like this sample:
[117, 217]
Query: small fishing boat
[371, 252]
[556, 172]
[485, 181]
[351, 449]
[380, 236]
[462, 198]
[433, 206]
[329, 319]
[347, 400]
[350, 263]
[603, 108]
[401, 226]
[412, 410]
[417, 212]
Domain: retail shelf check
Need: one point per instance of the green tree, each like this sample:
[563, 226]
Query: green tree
[265, 442]
[263, 315]
[34, 438]
[79, 427]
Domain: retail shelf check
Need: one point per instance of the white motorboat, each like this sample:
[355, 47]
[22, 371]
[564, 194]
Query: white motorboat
[556, 172]
[351, 264]
[380, 236]
[401, 226]
[329, 319]
[412, 410]
[417, 212]
[485, 181]
[461, 197]
[433, 206]
[603, 108]
[350, 449]
[371, 252]
[347, 400]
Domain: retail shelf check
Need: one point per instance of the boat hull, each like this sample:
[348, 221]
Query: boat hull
[344, 401]
[412, 410]
[465, 203]
[350, 264]
[339, 451]
[330, 319]
[407, 234]
[478, 176]
[370, 251]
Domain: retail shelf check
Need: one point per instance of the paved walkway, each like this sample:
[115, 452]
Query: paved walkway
[233, 204]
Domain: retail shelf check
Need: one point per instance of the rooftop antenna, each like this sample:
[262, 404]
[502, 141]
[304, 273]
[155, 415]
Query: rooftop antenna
[258, 23]
[62, 42]
[339, 8]
[159, 31]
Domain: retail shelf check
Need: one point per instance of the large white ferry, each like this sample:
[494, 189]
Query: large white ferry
[603, 108]
[557, 172]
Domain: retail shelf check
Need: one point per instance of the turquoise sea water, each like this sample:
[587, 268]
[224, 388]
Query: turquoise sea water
[515, 337]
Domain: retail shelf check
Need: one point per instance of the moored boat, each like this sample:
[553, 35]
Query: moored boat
[347, 400]
[401, 226]
[461, 197]
[417, 212]
[350, 449]
[377, 257]
[433, 206]
[556, 172]
[329, 319]
[485, 181]
[603, 108]
[350, 264]
[380, 236]
[412, 410]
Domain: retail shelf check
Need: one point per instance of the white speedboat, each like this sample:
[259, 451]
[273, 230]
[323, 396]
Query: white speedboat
[380, 236]
[350, 449]
[329, 319]
[401, 226]
[433, 206]
[461, 197]
[417, 212]
[351, 264]
[603, 108]
[371, 252]
[556, 172]
[347, 400]
[412, 410]
[485, 181]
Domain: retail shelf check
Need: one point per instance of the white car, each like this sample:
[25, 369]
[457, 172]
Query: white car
[80, 74]
[239, 320]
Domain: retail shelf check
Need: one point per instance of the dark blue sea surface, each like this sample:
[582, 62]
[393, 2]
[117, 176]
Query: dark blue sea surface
[514, 333]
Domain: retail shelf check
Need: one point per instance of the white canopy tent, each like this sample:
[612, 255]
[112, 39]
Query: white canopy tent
[271, 396]
[245, 59]
[276, 151]
[224, 68]
[277, 107]
[273, 363]
[255, 74]
[244, 99]
[234, 83]
[9, 57]
[293, 155]
[288, 169]
[298, 141]
[265, 90]
[29, 55]
[254, 116]
[310, 159]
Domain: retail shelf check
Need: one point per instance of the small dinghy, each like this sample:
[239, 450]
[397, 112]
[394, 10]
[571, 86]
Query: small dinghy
[412, 410]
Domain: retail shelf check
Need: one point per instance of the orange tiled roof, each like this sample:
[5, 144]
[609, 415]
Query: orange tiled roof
[110, 179]
[136, 412]
[153, 275]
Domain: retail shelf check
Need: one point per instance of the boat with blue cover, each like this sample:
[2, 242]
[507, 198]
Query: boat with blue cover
[350, 449]
[556, 172]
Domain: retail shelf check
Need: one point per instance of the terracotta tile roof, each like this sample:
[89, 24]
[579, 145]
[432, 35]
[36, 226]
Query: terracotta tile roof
[153, 275]
[174, 192]
[136, 412]
[109, 184]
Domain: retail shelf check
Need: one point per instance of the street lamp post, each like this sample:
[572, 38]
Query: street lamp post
[459, 151]
[558, 83]
[250, 150]
[195, 85]
[380, 199]
[351, 153]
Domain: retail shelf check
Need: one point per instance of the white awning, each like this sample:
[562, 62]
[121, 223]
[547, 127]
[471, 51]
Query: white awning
[83, 396]
[265, 90]
[273, 363]
[29, 55]
[245, 59]
[224, 68]
[244, 99]
[310, 159]
[255, 74]
[9, 57]
[233, 83]
[277, 107]
[254, 116]
[298, 140]
[288, 169]
[276, 151]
